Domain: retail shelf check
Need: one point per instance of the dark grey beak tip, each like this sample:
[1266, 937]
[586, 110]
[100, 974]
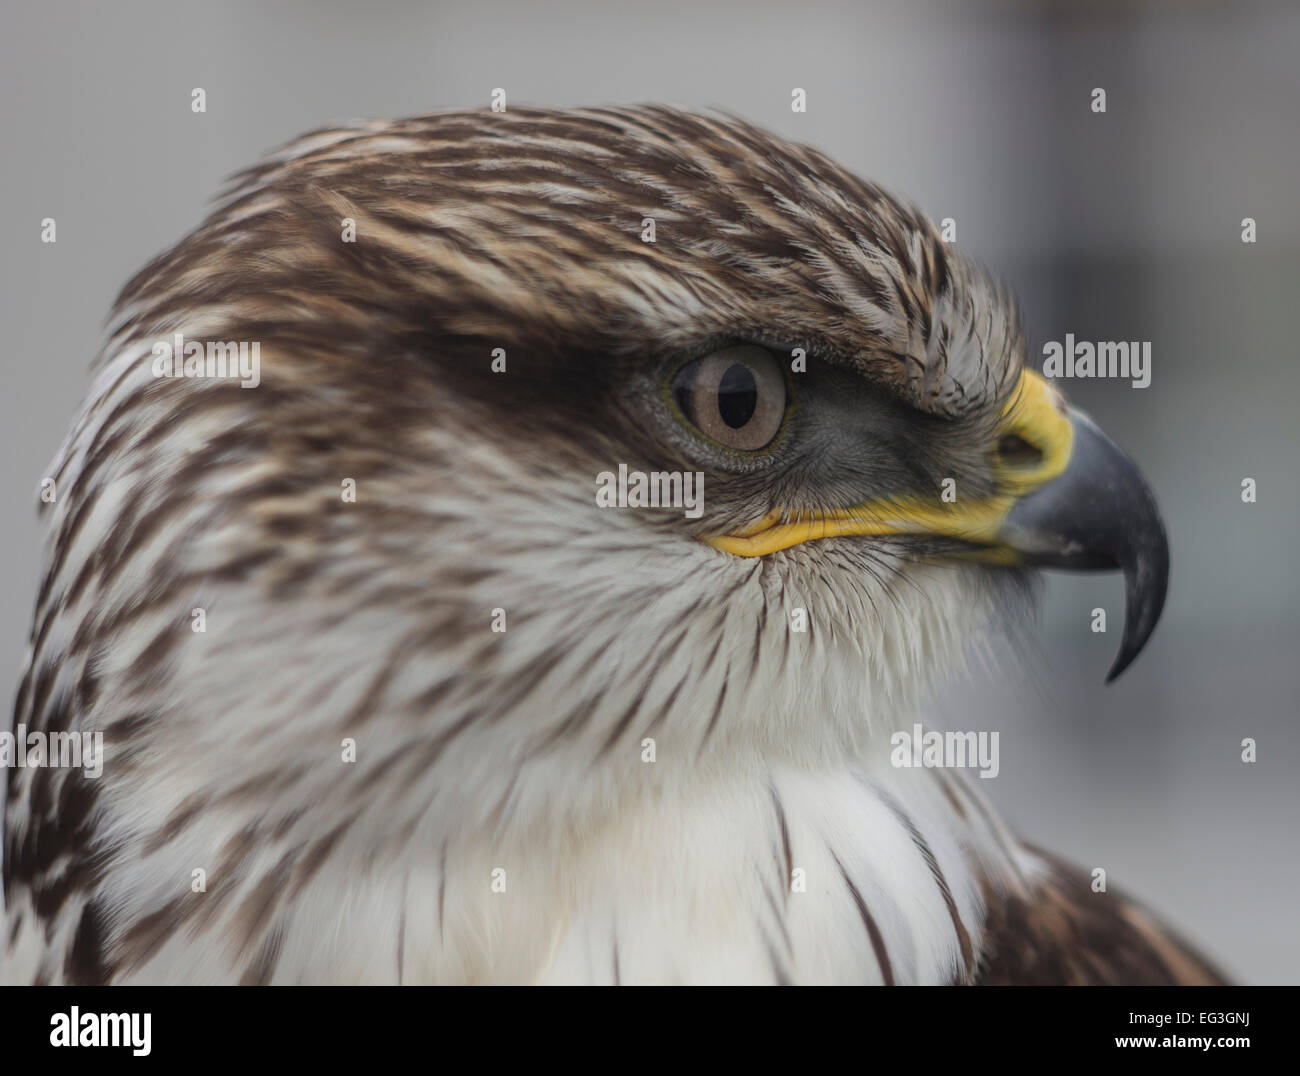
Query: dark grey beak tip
[1145, 585]
[1139, 545]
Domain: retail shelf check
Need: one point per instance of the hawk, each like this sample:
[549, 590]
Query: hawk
[388, 695]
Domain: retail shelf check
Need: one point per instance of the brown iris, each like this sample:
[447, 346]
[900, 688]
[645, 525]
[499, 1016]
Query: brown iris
[735, 396]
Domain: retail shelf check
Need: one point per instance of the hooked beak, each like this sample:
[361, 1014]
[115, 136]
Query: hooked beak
[1100, 515]
[1079, 504]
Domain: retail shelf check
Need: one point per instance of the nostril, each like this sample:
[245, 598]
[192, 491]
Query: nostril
[1016, 451]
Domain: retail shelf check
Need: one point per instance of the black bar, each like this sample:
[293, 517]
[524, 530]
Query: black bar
[475, 1028]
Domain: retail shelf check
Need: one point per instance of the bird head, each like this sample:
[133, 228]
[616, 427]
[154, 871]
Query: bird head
[479, 320]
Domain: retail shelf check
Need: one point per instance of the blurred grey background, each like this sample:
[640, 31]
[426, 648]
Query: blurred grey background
[1122, 226]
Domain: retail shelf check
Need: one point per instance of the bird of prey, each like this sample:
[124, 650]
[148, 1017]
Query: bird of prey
[389, 694]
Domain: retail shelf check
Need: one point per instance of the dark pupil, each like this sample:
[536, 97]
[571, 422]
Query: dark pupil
[737, 396]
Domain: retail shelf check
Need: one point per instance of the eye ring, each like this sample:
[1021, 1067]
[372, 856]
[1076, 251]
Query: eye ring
[736, 396]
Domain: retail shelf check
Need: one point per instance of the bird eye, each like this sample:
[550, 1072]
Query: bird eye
[735, 396]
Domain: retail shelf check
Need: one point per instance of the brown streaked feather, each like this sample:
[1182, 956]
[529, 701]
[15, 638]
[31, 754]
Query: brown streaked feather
[1063, 934]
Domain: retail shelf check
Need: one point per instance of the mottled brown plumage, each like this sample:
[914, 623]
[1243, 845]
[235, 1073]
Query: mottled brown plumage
[1064, 933]
[369, 620]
